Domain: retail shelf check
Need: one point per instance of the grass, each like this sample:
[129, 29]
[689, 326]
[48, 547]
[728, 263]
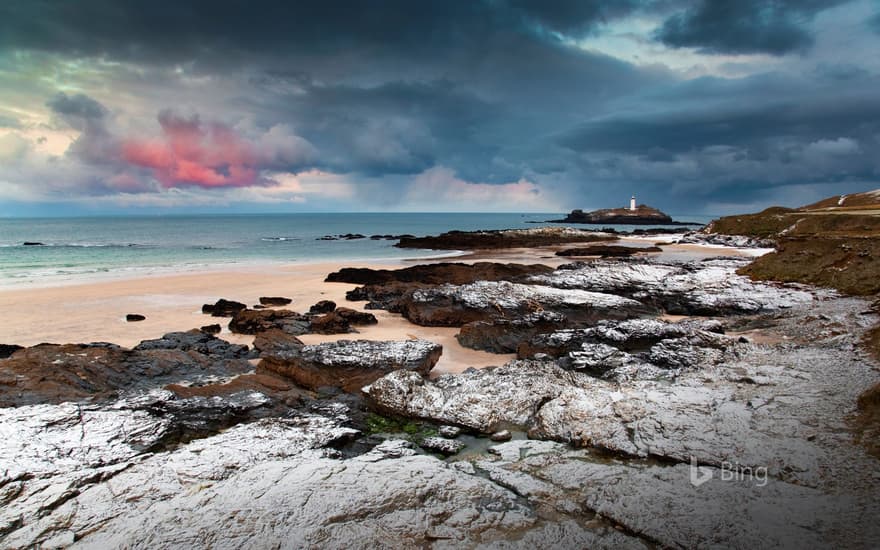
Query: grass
[415, 431]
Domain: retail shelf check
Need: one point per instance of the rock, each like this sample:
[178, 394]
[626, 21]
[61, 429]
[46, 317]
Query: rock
[6, 350]
[274, 341]
[323, 306]
[608, 251]
[599, 359]
[330, 323]
[345, 237]
[641, 215]
[223, 308]
[134, 317]
[211, 329]
[51, 373]
[439, 273]
[500, 335]
[504, 238]
[274, 301]
[710, 287]
[455, 305]
[481, 400]
[503, 435]
[249, 321]
[354, 317]
[449, 432]
[198, 341]
[32, 243]
[736, 241]
[441, 445]
[350, 364]
[627, 335]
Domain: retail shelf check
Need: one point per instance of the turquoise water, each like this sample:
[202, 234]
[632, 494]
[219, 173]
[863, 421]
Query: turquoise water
[77, 248]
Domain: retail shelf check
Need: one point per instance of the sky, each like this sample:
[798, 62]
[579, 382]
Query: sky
[696, 107]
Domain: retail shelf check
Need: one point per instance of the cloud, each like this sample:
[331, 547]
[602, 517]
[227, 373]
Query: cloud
[438, 189]
[839, 146]
[190, 152]
[743, 26]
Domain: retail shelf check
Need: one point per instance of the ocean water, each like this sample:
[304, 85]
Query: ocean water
[77, 249]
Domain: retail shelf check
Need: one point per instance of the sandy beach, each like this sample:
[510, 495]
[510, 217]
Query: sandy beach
[94, 311]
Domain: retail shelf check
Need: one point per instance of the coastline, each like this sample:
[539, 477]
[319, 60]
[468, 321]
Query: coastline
[94, 309]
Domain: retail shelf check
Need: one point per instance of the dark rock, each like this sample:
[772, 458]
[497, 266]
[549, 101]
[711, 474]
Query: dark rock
[211, 329]
[607, 251]
[354, 317]
[274, 301]
[258, 306]
[6, 350]
[502, 335]
[196, 340]
[330, 323]
[441, 445]
[223, 308]
[345, 237]
[324, 306]
[32, 243]
[251, 321]
[52, 373]
[275, 342]
[350, 364]
[440, 273]
[503, 238]
[134, 317]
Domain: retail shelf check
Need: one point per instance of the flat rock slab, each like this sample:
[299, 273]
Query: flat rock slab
[455, 305]
[350, 364]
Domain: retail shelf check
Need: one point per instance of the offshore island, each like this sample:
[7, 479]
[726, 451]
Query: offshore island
[641, 214]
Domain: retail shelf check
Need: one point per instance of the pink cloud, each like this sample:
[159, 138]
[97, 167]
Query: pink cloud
[211, 155]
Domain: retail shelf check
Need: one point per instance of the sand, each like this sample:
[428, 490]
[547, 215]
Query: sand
[94, 311]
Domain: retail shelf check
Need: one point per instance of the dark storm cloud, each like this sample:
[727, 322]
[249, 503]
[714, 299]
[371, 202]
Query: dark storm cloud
[181, 31]
[744, 26]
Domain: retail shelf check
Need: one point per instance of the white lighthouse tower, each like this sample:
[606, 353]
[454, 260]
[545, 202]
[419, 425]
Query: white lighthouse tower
[632, 203]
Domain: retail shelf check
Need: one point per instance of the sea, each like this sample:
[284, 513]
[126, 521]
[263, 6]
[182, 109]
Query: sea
[83, 248]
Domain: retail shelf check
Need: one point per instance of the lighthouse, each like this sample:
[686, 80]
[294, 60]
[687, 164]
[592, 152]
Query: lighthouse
[632, 203]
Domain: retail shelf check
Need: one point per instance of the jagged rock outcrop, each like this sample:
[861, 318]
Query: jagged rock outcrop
[455, 305]
[349, 364]
[710, 287]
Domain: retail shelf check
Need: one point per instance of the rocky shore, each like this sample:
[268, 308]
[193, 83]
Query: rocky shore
[653, 402]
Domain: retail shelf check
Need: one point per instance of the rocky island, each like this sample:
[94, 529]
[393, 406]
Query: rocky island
[633, 215]
[650, 401]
